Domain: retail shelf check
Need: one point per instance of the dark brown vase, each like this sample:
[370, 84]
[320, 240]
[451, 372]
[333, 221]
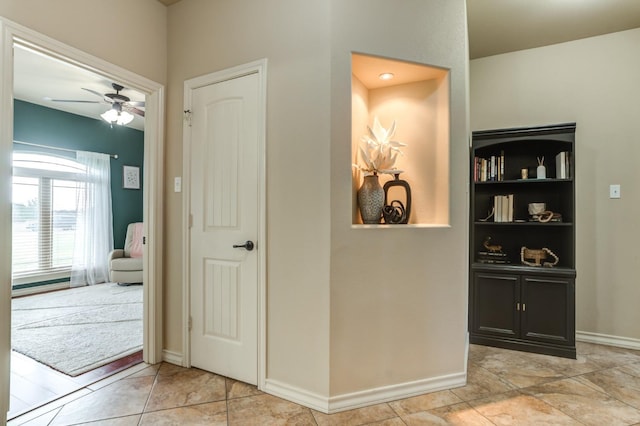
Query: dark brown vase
[395, 211]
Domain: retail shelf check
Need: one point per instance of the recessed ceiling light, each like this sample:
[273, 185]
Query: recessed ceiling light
[385, 76]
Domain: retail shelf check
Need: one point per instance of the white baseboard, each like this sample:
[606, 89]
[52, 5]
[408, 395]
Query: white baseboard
[395, 392]
[609, 340]
[297, 395]
[363, 398]
[172, 357]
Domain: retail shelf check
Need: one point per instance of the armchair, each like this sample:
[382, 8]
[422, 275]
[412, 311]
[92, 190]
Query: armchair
[125, 265]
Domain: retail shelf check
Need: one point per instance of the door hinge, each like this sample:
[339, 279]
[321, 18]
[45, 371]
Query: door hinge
[187, 116]
[190, 323]
[190, 221]
[144, 240]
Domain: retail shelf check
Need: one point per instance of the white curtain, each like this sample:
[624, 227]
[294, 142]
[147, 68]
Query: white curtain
[94, 224]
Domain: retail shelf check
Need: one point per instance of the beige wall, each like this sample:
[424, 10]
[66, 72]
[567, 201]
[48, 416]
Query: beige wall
[595, 83]
[294, 36]
[398, 296]
[359, 120]
[407, 323]
[130, 34]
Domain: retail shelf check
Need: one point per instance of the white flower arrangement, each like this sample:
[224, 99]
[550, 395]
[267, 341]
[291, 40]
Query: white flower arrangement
[377, 151]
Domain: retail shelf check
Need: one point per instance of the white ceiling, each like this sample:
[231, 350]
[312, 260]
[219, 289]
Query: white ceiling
[39, 78]
[500, 26]
[495, 26]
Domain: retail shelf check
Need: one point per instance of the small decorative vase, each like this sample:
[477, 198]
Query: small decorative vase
[541, 172]
[371, 199]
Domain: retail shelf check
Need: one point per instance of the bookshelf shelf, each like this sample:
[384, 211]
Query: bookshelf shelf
[521, 269]
[535, 224]
[513, 211]
[523, 181]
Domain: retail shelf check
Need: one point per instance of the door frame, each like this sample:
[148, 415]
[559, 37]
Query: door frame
[10, 33]
[257, 67]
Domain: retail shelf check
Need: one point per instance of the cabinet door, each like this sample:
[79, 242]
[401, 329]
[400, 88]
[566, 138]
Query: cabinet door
[495, 298]
[548, 309]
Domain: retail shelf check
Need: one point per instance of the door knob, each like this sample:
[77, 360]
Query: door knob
[248, 246]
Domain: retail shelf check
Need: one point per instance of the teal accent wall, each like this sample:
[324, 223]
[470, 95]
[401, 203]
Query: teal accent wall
[46, 126]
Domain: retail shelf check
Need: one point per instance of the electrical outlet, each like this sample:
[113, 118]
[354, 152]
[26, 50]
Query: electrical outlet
[614, 191]
[177, 184]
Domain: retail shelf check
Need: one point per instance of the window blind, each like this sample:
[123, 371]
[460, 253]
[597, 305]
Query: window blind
[44, 214]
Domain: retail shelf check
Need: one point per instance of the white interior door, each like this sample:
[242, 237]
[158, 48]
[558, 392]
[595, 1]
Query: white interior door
[224, 204]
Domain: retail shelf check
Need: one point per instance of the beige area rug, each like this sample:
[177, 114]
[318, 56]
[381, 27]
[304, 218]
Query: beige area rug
[77, 330]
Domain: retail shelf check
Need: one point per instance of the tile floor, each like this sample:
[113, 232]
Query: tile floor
[601, 387]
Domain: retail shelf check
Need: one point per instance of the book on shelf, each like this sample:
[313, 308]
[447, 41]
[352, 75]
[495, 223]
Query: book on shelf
[503, 208]
[491, 254]
[495, 261]
[488, 169]
[492, 175]
[491, 257]
[563, 164]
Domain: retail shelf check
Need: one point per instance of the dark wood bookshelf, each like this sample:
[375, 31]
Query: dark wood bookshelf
[512, 305]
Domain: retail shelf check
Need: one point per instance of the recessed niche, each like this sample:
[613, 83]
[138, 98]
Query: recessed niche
[417, 98]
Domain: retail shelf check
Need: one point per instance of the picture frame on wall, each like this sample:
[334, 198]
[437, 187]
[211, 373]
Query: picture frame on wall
[130, 177]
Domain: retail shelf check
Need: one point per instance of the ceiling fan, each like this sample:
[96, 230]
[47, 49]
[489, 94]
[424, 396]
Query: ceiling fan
[122, 107]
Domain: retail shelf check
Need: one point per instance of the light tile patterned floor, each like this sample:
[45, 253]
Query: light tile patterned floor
[601, 387]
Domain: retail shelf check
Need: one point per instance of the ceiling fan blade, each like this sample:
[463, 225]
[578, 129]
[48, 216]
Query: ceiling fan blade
[134, 110]
[101, 95]
[71, 100]
[136, 103]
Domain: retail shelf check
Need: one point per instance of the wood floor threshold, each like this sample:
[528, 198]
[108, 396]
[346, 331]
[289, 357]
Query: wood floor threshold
[78, 382]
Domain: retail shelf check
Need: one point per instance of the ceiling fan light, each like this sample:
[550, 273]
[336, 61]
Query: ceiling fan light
[124, 118]
[110, 115]
[113, 116]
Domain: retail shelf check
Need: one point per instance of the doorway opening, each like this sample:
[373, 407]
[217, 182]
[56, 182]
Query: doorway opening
[150, 190]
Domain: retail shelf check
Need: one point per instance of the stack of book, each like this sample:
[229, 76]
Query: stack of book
[563, 165]
[491, 257]
[488, 169]
[503, 208]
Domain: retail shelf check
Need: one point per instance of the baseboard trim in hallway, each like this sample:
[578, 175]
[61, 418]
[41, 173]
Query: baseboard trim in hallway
[608, 340]
[382, 394]
[364, 398]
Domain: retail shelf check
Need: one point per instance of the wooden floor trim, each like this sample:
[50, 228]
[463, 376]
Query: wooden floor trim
[34, 384]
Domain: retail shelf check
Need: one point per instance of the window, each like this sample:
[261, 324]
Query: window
[46, 191]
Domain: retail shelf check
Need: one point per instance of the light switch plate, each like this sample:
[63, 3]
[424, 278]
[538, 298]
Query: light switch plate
[177, 184]
[614, 191]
